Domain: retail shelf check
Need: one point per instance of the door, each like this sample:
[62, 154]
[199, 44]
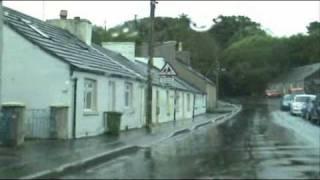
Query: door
[112, 96]
[183, 105]
[157, 106]
[142, 106]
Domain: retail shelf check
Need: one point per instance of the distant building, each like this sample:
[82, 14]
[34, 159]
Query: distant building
[180, 60]
[305, 78]
[173, 101]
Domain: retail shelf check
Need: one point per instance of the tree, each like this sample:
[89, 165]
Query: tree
[314, 28]
[228, 29]
[251, 63]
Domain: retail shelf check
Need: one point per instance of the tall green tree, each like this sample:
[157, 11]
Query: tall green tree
[228, 29]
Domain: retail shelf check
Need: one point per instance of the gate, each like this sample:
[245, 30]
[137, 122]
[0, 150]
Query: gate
[39, 124]
[4, 127]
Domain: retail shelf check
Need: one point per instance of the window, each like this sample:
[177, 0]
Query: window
[36, 29]
[112, 96]
[128, 95]
[188, 103]
[90, 95]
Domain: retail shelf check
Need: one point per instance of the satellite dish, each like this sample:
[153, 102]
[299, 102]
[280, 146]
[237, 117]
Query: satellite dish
[115, 34]
[202, 28]
[125, 30]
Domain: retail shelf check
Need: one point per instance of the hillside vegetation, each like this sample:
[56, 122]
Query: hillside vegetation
[250, 56]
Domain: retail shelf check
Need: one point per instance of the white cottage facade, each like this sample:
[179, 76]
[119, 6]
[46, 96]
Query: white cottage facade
[44, 66]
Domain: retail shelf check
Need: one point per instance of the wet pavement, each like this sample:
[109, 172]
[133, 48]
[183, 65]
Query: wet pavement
[39, 156]
[261, 142]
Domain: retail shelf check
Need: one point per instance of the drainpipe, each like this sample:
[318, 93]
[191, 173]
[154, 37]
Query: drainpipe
[74, 103]
[74, 119]
[194, 100]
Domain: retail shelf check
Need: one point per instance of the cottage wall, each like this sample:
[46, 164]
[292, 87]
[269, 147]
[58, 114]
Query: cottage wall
[91, 124]
[28, 72]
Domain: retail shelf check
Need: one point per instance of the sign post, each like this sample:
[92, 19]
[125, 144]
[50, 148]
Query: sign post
[167, 77]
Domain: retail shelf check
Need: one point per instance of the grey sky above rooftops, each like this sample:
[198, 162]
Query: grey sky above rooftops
[280, 18]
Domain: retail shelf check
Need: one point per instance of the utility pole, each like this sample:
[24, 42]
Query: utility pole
[217, 81]
[1, 50]
[150, 65]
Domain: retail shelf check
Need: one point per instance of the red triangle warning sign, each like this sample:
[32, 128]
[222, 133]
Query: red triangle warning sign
[167, 70]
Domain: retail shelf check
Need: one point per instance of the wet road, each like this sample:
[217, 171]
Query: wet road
[261, 142]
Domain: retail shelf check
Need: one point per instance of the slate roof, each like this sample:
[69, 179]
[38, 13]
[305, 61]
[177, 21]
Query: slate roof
[121, 59]
[142, 69]
[188, 67]
[63, 45]
[298, 74]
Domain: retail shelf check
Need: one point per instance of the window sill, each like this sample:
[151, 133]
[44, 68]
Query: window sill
[128, 110]
[90, 113]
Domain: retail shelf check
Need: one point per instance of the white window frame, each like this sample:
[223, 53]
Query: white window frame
[128, 88]
[90, 86]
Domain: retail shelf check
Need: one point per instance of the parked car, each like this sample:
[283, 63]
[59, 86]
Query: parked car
[272, 93]
[308, 107]
[313, 114]
[298, 103]
[286, 101]
[296, 91]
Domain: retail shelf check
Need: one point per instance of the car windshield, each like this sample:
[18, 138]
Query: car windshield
[301, 98]
[287, 97]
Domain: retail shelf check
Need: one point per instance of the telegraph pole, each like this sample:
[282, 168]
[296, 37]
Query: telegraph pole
[150, 65]
[1, 50]
[217, 82]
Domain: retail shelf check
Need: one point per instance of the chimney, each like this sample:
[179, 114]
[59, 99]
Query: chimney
[63, 14]
[180, 46]
[126, 49]
[77, 18]
[81, 28]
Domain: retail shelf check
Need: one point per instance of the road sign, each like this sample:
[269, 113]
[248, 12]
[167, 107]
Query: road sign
[167, 70]
[167, 80]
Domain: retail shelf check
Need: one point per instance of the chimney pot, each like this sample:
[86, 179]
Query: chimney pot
[63, 14]
[180, 46]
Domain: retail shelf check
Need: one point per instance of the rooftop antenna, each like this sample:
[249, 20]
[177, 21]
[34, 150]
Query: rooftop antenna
[43, 10]
[105, 25]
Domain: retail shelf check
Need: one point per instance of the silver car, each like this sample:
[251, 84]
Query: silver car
[299, 102]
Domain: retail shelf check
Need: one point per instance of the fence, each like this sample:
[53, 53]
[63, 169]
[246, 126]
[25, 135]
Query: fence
[38, 123]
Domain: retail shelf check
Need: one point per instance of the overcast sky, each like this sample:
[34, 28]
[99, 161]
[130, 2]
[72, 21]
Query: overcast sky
[283, 18]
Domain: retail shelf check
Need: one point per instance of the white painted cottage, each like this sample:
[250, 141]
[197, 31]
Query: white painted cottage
[53, 63]
[166, 97]
[44, 65]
